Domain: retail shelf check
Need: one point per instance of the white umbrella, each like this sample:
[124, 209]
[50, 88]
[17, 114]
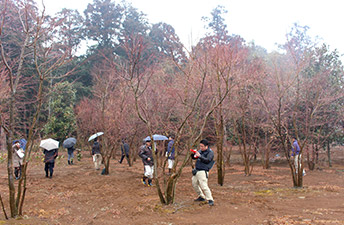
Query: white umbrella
[49, 144]
[156, 137]
[95, 135]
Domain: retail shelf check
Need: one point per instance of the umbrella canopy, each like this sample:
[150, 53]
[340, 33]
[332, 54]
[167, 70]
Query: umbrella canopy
[156, 137]
[22, 143]
[95, 135]
[49, 144]
[69, 142]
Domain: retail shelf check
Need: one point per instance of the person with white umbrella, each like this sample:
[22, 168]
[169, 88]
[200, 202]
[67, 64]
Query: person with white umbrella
[96, 153]
[50, 151]
[96, 149]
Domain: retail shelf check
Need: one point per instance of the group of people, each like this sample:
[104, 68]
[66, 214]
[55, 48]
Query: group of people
[204, 162]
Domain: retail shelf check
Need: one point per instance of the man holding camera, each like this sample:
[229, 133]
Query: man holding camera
[204, 163]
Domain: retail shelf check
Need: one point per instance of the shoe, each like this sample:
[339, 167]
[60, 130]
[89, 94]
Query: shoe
[150, 185]
[211, 202]
[143, 181]
[199, 199]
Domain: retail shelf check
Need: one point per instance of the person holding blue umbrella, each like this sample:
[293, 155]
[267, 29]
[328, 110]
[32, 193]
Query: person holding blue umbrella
[17, 159]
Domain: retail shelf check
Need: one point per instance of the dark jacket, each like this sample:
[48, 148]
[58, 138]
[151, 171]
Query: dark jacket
[50, 156]
[170, 149]
[145, 153]
[205, 160]
[125, 149]
[96, 148]
[70, 150]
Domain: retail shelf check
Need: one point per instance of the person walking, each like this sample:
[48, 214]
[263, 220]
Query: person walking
[204, 163]
[125, 152]
[170, 153]
[17, 159]
[70, 152]
[295, 149]
[147, 159]
[96, 153]
[49, 160]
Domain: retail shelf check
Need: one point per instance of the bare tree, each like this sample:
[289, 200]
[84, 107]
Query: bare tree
[34, 46]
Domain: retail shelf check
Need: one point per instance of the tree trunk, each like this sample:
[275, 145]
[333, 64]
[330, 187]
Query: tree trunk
[9, 138]
[311, 163]
[219, 145]
[329, 154]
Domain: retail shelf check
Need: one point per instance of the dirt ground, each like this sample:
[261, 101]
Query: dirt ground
[78, 194]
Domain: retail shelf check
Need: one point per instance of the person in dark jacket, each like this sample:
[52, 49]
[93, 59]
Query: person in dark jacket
[49, 160]
[147, 159]
[70, 152]
[204, 163]
[96, 153]
[170, 153]
[125, 152]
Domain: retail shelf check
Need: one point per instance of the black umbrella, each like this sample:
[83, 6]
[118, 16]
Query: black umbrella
[69, 142]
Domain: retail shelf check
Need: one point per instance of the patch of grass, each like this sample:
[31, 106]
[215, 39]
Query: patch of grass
[3, 157]
[264, 192]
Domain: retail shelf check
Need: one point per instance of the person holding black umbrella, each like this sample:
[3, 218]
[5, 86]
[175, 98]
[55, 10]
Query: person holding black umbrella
[69, 145]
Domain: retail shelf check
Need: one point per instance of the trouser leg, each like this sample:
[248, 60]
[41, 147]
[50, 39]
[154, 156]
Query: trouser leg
[46, 168]
[149, 171]
[195, 185]
[98, 160]
[122, 157]
[51, 169]
[16, 172]
[128, 159]
[202, 177]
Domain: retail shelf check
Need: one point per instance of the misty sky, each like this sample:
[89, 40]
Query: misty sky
[265, 21]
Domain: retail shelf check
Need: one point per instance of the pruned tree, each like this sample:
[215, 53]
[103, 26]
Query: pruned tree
[190, 103]
[294, 98]
[34, 45]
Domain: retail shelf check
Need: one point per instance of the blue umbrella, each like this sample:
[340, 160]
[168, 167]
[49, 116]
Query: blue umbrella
[22, 143]
[156, 137]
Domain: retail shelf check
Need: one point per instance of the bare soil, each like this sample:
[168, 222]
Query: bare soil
[78, 194]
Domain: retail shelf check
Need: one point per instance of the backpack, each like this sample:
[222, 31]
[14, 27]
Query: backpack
[211, 164]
